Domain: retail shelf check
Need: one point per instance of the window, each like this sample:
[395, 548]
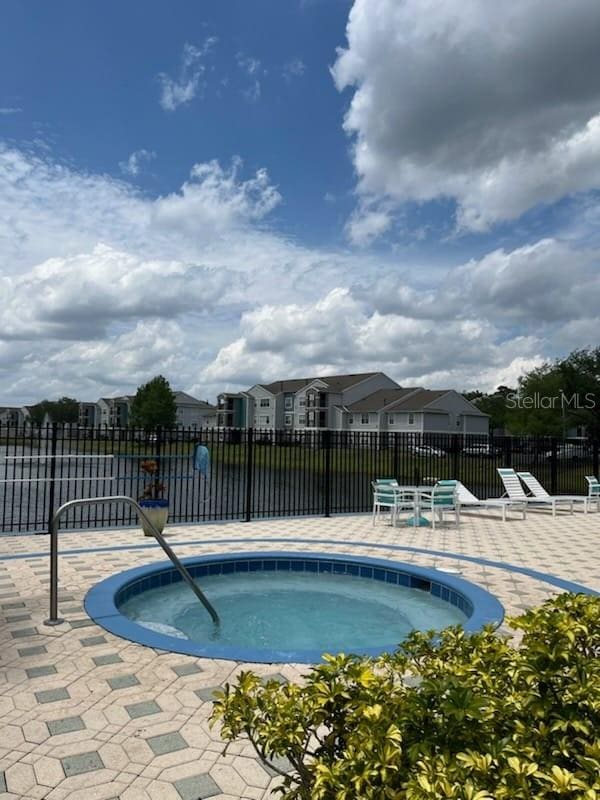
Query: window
[302, 402]
[302, 419]
[350, 419]
[364, 419]
[391, 419]
[263, 420]
[411, 419]
[265, 402]
[289, 403]
[287, 419]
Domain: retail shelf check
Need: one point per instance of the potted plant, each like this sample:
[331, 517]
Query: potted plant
[152, 503]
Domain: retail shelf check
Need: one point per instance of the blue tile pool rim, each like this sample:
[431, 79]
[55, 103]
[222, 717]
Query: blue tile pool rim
[103, 600]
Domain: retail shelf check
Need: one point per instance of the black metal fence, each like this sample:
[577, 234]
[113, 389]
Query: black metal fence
[255, 473]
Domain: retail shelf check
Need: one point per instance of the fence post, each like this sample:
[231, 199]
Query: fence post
[249, 472]
[395, 456]
[507, 446]
[553, 467]
[52, 428]
[595, 466]
[326, 442]
[159, 438]
[456, 440]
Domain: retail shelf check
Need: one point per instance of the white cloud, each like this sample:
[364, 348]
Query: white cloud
[544, 283]
[494, 105]
[216, 199]
[80, 296]
[366, 224]
[133, 165]
[338, 333]
[181, 90]
[252, 68]
[9, 110]
[294, 68]
[249, 64]
[103, 287]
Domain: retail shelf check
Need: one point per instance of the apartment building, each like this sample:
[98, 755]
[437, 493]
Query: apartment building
[298, 403]
[87, 414]
[232, 409]
[11, 415]
[415, 410]
[193, 413]
[364, 402]
[113, 411]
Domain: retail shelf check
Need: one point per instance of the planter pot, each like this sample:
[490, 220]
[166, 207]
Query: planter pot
[157, 512]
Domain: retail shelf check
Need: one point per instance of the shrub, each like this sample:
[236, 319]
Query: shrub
[448, 715]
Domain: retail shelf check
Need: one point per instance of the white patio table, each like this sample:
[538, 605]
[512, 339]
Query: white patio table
[417, 492]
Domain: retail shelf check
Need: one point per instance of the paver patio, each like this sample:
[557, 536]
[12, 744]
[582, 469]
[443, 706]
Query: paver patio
[86, 715]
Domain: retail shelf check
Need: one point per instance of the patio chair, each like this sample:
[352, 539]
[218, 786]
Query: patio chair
[593, 490]
[442, 499]
[538, 491]
[514, 490]
[469, 501]
[388, 494]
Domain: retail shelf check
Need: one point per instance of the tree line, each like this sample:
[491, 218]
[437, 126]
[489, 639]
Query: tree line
[551, 400]
[153, 405]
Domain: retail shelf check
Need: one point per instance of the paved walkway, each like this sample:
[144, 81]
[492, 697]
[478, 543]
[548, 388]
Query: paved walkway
[85, 715]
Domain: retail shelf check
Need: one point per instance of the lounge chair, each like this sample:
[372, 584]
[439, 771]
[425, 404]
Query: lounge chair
[442, 499]
[538, 491]
[388, 494]
[514, 490]
[469, 501]
[593, 490]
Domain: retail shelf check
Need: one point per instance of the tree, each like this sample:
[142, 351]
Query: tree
[560, 395]
[153, 405]
[581, 380]
[65, 410]
[495, 405]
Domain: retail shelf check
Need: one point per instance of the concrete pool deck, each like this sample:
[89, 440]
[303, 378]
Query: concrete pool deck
[86, 715]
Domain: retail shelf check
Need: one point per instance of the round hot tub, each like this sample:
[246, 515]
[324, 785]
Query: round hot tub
[282, 606]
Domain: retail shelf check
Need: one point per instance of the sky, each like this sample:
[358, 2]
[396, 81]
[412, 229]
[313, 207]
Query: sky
[243, 191]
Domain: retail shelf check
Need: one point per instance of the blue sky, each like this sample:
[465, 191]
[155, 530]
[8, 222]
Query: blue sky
[87, 81]
[240, 191]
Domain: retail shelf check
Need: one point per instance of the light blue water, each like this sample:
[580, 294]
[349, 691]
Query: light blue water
[293, 611]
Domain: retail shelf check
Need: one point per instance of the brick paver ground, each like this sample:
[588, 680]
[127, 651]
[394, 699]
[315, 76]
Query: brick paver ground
[85, 715]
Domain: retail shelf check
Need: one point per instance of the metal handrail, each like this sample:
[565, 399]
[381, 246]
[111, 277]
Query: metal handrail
[54, 619]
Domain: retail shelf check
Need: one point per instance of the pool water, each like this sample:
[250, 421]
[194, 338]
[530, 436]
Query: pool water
[288, 611]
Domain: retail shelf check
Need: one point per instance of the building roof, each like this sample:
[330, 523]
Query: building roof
[380, 399]
[335, 383]
[423, 398]
[183, 397]
[293, 385]
[418, 400]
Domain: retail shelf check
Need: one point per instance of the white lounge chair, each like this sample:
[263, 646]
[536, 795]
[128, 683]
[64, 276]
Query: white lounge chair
[388, 494]
[593, 490]
[514, 490]
[538, 491]
[469, 501]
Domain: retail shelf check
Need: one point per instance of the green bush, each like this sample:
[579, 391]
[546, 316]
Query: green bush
[451, 715]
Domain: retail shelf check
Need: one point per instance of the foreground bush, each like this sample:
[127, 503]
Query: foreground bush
[452, 716]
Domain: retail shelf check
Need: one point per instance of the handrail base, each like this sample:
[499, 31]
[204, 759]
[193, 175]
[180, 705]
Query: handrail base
[52, 622]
